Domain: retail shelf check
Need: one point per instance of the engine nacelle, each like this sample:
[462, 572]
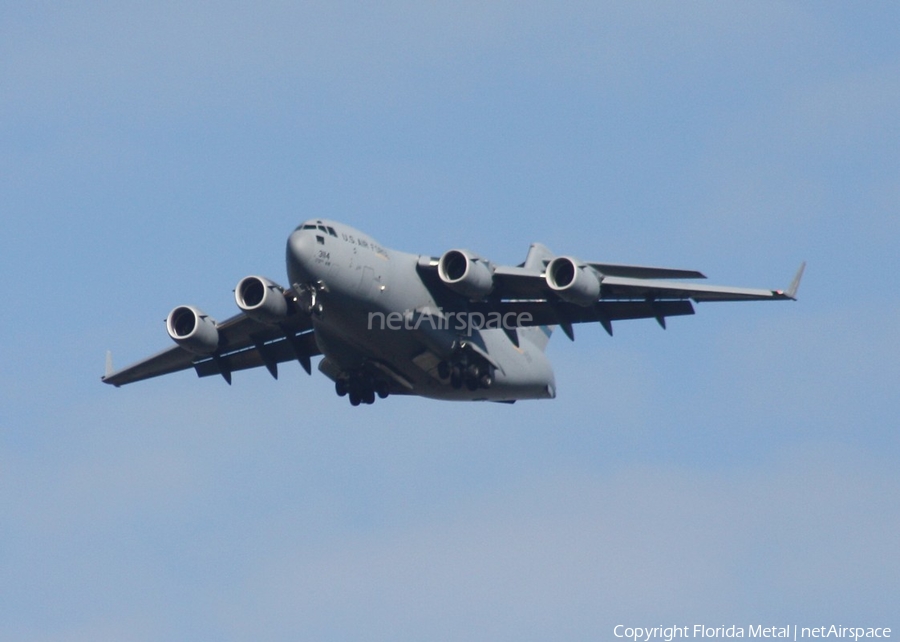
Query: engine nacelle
[193, 330]
[572, 281]
[466, 273]
[261, 299]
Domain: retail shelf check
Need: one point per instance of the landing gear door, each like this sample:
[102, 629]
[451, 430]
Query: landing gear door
[367, 284]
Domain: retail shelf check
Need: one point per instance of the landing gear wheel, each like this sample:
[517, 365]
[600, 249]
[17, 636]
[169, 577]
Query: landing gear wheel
[354, 398]
[473, 374]
[486, 380]
[456, 377]
[382, 389]
[340, 387]
[443, 369]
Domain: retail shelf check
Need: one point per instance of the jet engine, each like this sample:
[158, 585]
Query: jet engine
[261, 299]
[572, 281]
[466, 273]
[193, 330]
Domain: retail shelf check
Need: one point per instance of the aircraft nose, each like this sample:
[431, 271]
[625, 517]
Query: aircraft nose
[301, 247]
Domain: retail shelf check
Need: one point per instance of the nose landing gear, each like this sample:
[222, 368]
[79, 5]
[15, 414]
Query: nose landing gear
[308, 296]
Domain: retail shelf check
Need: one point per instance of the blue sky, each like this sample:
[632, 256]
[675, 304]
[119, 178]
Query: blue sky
[738, 468]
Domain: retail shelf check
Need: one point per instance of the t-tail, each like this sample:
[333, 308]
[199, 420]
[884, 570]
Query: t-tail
[537, 259]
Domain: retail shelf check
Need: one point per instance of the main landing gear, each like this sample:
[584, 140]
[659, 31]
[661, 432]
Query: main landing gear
[361, 388]
[471, 374]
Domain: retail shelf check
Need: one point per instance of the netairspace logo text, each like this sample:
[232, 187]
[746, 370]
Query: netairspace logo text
[790, 632]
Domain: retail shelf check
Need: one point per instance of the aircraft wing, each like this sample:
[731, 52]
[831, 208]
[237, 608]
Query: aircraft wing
[624, 288]
[626, 292]
[243, 343]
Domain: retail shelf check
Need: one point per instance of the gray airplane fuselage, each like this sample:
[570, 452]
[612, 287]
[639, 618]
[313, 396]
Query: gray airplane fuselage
[373, 312]
[456, 327]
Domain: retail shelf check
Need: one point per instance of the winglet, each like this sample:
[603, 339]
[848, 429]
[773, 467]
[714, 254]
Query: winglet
[795, 284]
[109, 364]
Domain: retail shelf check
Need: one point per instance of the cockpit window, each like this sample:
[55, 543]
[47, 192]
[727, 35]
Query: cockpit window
[319, 227]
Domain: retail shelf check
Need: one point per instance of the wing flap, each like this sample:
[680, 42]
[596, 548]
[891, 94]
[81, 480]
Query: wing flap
[530, 283]
[266, 354]
[645, 272]
[630, 288]
[558, 313]
[520, 283]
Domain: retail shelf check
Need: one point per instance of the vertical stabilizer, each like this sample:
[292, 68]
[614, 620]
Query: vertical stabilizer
[538, 257]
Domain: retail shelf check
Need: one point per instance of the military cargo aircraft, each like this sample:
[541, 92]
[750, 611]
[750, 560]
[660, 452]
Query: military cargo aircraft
[454, 327]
